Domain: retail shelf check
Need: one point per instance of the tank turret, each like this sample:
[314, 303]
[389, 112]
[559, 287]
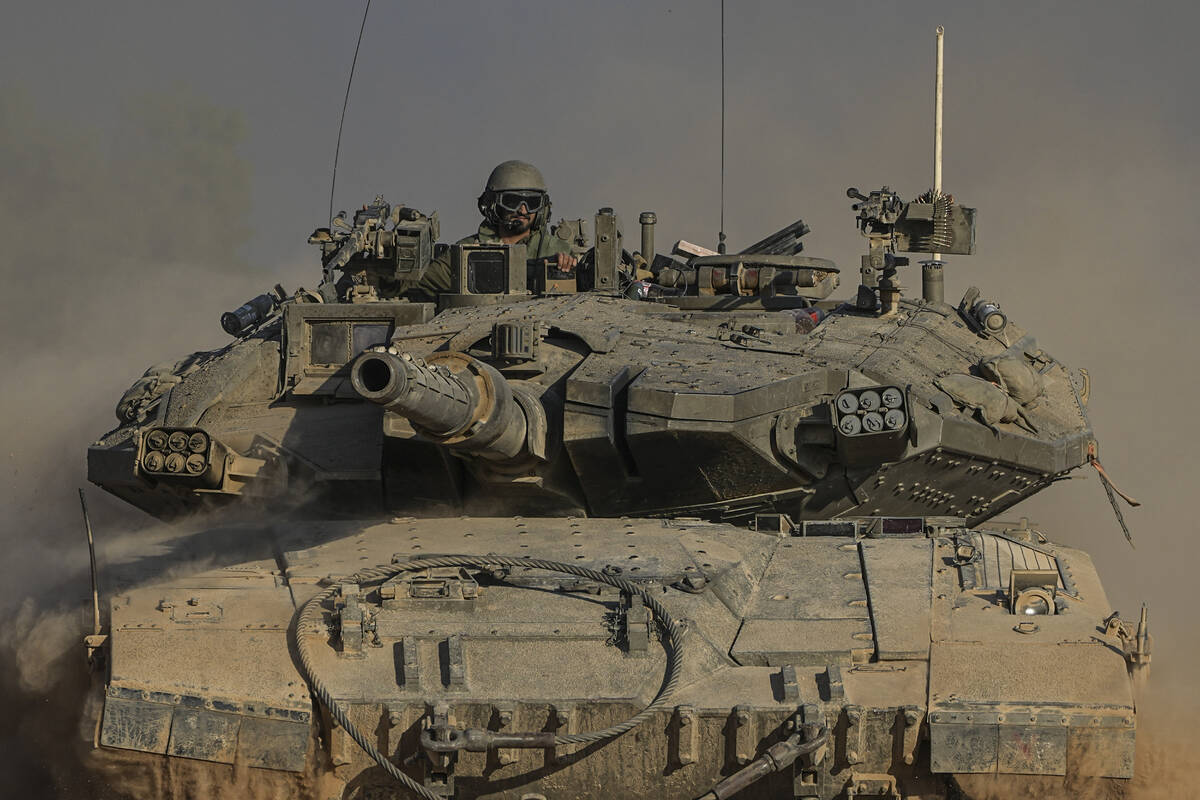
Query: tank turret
[742, 391]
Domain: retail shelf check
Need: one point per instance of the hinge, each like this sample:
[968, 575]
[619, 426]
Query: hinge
[435, 583]
[637, 624]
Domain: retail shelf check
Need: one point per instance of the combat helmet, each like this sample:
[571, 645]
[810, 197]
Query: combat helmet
[514, 176]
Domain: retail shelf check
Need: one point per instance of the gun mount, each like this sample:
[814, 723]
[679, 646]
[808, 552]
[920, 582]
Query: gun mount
[367, 250]
[934, 223]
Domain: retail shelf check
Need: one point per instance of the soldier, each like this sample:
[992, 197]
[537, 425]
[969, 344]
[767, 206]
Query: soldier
[516, 208]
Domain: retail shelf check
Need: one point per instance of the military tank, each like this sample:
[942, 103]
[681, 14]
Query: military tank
[671, 524]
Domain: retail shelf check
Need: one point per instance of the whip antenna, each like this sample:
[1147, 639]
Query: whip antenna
[937, 122]
[721, 232]
[338, 150]
[932, 280]
[87, 524]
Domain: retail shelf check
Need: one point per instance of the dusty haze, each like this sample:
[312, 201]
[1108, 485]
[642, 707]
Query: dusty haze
[161, 165]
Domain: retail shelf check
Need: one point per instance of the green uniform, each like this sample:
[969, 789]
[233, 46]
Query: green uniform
[540, 243]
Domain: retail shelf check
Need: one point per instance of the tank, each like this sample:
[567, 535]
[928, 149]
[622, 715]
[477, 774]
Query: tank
[668, 524]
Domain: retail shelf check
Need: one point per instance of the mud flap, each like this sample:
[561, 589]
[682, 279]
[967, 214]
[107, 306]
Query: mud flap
[175, 730]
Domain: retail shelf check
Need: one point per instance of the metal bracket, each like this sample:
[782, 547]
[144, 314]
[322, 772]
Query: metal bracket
[341, 747]
[1135, 642]
[637, 624]
[607, 252]
[439, 777]
[505, 716]
[811, 714]
[833, 677]
[410, 664]
[912, 717]
[806, 783]
[435, 583]
[351, 620]
[745, 734]
[194, 610]
[872, 784]
[855, 734]
[775, 523]
[456, 665]
[566, 723]
[401, 717]
[791, 686]
[96, 644]
[808, 780]
[687, 735]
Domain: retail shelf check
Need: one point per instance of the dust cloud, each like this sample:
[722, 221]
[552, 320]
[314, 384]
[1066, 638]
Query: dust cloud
[1105, 253]
[122, 252]
[122, 249]
[126, 241]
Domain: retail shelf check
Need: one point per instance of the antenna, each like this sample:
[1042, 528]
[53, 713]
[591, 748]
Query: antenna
[937, 121]
[338, 149]
[721, 232]
[87, 523]
[932, 279]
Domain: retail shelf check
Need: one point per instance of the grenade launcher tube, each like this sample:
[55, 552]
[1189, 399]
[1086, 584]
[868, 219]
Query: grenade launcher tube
[450, 397]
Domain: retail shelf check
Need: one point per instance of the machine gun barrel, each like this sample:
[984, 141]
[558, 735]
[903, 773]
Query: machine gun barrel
[453, 399]
[354, 243]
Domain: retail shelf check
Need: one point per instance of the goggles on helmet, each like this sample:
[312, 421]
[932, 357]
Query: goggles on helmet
[512, 200]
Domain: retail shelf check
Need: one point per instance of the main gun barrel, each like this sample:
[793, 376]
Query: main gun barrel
[454, 399]
[431, 398]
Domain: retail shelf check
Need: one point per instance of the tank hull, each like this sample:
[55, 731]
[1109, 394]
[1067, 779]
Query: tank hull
[896, 635]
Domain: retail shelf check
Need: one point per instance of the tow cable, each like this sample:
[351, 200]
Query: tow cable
[309, 626]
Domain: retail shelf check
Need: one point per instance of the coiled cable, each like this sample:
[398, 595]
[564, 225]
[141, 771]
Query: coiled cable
[309, 625]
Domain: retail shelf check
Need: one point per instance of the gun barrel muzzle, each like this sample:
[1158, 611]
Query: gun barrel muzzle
[433, 398]
[450, 397]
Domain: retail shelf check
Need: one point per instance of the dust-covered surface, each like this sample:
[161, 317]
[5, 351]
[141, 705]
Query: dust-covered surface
[1166, 764]
[162, 165]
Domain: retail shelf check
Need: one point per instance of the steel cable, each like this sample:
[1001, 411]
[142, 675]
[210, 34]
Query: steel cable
[309, 625]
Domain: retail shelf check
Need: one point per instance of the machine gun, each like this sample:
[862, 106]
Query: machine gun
[933, 223]
[401, 251]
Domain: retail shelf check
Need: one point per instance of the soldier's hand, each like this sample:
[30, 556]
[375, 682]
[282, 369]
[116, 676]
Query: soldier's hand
[567, 262]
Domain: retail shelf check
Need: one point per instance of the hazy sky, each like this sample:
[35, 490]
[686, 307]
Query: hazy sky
[165, 161]
[618, 101]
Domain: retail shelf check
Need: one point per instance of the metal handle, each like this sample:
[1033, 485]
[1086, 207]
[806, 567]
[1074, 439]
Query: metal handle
[478, 740]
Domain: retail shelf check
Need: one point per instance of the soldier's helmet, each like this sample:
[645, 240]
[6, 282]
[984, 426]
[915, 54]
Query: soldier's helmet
[508, 186]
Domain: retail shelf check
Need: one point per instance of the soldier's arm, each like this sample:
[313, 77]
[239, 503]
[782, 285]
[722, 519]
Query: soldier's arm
[552, 245]
[435, 281]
